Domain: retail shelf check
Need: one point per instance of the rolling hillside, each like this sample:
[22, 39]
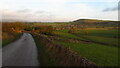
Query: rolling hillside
[94, 22]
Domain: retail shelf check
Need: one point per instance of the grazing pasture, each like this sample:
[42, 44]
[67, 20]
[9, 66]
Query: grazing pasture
[102, 50]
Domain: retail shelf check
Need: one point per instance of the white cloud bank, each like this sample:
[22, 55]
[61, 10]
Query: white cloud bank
[26, 16]
[54, 10]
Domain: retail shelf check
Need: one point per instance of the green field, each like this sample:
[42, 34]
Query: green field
[101, 33]
[100, 54]
[97, 36]
[102, 40]
[67, 35]
[99, 51]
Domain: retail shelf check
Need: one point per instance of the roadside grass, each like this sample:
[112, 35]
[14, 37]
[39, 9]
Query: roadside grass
[0, 43]
[100, 54]
[45, 57]
[7, 41]
[10, 39]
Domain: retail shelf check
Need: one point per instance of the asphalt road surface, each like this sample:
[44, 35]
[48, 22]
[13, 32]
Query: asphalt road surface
[22, 52]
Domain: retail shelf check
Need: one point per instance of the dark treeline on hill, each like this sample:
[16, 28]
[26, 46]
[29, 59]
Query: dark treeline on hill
[94, 22]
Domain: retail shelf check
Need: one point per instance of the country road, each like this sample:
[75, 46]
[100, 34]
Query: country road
[22, 52]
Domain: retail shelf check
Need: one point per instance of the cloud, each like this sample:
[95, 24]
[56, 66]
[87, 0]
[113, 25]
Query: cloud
[40, 12]
[111, 9]
[57, 10]
[108, 15]
[24, 10]
[12, 15]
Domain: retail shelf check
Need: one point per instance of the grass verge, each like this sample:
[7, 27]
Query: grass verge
[11, 39]
[45, 57]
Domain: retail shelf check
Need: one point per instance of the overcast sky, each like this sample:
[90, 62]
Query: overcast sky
[58, 10]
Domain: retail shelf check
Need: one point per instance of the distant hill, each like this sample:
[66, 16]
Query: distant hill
[94, 22]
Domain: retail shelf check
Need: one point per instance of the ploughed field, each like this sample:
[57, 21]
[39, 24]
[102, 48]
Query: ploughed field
[99, 46]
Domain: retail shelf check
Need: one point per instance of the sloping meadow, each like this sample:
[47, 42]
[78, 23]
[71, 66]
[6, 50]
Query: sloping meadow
[57, 54]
